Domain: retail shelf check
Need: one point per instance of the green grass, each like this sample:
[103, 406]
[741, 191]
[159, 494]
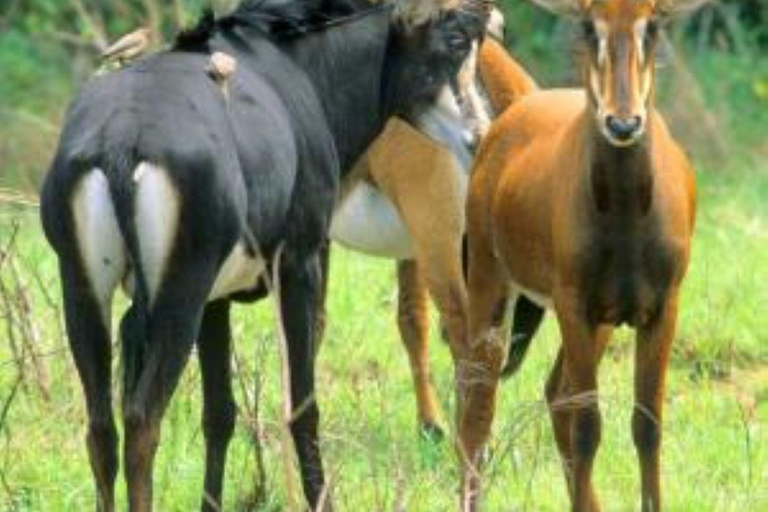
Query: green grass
[715, 452]
[715, 455]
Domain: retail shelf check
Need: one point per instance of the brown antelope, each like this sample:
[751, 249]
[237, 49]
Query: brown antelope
[410, 207]
[582, 201]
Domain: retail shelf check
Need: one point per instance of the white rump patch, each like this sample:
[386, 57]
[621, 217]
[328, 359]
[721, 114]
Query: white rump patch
[101, 244]
[157, 217]
[368, 222]
[239, 272]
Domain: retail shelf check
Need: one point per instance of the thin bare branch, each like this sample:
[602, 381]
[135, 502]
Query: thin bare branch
[70, 39]
[18, 198]
[7, 18]
[285, 374]
[6, 251]
[29, 117]
[692, 108]
[3, 417]
[179, 14]
[45, 290]
[253, 426]
[7, 305]
[30, 332]
[9, 400]
[155, 16]
[97, 31]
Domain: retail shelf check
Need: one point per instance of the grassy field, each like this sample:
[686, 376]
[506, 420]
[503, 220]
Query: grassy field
[716, 438]
[715, 455]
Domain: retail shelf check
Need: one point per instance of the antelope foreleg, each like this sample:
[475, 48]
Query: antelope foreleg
[651, 359]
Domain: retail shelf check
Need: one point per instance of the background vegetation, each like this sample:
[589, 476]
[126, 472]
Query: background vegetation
[714, 89]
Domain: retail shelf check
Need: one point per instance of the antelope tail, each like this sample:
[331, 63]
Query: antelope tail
[119, 166]
[504, 79]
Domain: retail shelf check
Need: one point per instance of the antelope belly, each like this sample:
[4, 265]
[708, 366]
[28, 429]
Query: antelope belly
[368, 222]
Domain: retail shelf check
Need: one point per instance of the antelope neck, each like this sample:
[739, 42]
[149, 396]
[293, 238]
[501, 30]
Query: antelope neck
[621, 177]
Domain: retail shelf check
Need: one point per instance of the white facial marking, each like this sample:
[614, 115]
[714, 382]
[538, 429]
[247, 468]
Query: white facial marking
[480, 120]
[99, 239]
[602, 30]
[640, 28]
[645, 87]
[468, 70]
[597, 90]
[157, 217]
[446, 102]
[447, 109]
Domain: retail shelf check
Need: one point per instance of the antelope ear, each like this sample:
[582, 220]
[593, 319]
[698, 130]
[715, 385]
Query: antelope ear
[678, 7]
[496, 25]
[565, 7]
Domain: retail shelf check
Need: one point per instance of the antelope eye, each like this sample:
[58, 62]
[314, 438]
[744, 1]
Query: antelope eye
[588, 30]
[651, 35]
[651, 30]
[458, 42]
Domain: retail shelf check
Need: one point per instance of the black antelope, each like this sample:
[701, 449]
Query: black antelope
[184, 188]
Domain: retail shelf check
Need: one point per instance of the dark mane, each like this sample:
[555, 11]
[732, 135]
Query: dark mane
[279, 19]
[196, 38]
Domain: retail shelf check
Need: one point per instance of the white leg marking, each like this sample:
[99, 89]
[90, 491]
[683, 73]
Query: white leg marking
[157, 218]
[239, 272]
[99, 239]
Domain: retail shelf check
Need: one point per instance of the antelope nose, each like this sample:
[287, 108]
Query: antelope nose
[623, 129]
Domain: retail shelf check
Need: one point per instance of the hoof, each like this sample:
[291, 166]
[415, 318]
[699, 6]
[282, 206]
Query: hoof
[431, 432]
[511, 365]
[444, 332]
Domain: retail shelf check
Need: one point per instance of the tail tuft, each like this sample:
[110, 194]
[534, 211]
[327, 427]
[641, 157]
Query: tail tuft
[527, 319]
[134, 327]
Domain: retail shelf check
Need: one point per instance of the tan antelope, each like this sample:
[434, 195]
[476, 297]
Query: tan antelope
[410, 207]
[582, 201]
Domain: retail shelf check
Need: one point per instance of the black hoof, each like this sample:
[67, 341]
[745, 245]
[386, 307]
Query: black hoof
[431, 432]
[444, 332]
[512, 364]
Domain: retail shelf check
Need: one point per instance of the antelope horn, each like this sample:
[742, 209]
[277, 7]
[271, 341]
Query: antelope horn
[678, 7]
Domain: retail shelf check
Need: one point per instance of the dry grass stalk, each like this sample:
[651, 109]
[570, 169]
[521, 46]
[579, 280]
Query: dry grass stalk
[92, 22]
[273, 284]
[30, 332]
[16, 197]
[251, 391]
[692, 115]
[8, 490]
[9, 313]
[23, 333]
